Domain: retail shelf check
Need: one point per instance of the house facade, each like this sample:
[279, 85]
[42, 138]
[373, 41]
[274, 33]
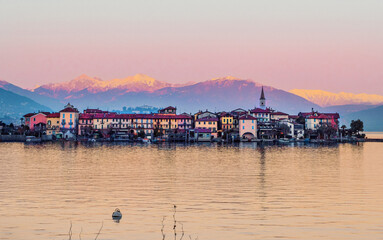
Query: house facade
[68, 121]
[247, 127]
[53, 124]
[207, 123]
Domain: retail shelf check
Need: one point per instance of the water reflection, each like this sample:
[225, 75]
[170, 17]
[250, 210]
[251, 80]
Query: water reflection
[222, 191]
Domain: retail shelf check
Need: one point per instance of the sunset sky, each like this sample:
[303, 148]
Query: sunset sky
[333, 45]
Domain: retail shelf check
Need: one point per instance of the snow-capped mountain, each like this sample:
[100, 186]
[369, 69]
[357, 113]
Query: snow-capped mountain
[85, 84]
[324, 99]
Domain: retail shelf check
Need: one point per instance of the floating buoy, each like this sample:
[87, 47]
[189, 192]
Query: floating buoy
[117, 214]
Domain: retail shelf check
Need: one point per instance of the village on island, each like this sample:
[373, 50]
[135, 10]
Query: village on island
[261, 124]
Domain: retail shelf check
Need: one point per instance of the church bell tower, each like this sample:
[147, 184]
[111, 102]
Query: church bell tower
[262, 100]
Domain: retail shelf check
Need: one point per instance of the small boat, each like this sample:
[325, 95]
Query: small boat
[146, 140]
[32, 139]
[283, 140]
[117, 214]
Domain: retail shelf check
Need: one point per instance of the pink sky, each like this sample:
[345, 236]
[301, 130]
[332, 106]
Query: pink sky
[331, 45]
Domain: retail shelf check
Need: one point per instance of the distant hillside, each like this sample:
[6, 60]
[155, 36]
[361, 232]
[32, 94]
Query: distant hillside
[372, 118]
[84, 85]
[52, 103]
[324, 99]
[14, 106]
[218, 94]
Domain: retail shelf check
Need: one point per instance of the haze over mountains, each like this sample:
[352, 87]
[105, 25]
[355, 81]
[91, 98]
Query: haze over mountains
[325, 99]
[219, 94]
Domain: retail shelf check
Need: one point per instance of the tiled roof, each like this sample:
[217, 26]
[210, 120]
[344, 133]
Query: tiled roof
[260, 110]
[90, 110]
[86, 116]
[247, 117]
[69, 109]
[168, 108]
[53, 115]
[322, 116]
[29, 115]
[278, 113]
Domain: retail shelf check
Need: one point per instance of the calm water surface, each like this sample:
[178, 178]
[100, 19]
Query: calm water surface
[221, 192]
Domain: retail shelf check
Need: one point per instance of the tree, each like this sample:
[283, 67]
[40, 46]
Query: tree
[343, 127]
[285, 129]
[356, 126]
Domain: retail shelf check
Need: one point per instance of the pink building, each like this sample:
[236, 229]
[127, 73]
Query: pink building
[34, 119]
[247, 127]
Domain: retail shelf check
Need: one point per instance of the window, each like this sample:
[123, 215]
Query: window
[243, 121]
[252, 127]
[252, 121]
[34, 119]
[71, 115]
[243, 127]
[63, 115]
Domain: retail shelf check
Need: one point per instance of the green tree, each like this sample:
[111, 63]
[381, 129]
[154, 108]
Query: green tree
[356, 126]
[343, 127]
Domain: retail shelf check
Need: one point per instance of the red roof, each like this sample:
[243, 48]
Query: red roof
[86, 116]
[29, 115]
[260, 110]
[278, 113]
[247, 117]
[69, 109]
[168, 108]
[89, 110]
[53, 115]
[322, 116]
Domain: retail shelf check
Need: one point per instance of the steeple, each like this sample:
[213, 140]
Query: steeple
[262, 100]
[262, 95]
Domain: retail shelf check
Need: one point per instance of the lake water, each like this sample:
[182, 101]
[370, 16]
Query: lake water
[221, 192]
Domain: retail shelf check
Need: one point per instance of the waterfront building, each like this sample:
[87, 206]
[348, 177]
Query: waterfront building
[103, 121]
[53, 124]
[247, 127]
[236, 114]
[205, 114]
[262, 115]
[315, 119]
[226, 121]
[184, 122]
[33, 119]
[142, 123]
[276, 116]
[207, 123]
[68, 121]
[296, 130]
[203, 135]
[85, 123]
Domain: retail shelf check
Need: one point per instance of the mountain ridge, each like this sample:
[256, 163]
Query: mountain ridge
[325, 98]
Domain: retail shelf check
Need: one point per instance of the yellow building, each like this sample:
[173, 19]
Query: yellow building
[102, 121]
[53, 123]
[207, 123]
[226, 121]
